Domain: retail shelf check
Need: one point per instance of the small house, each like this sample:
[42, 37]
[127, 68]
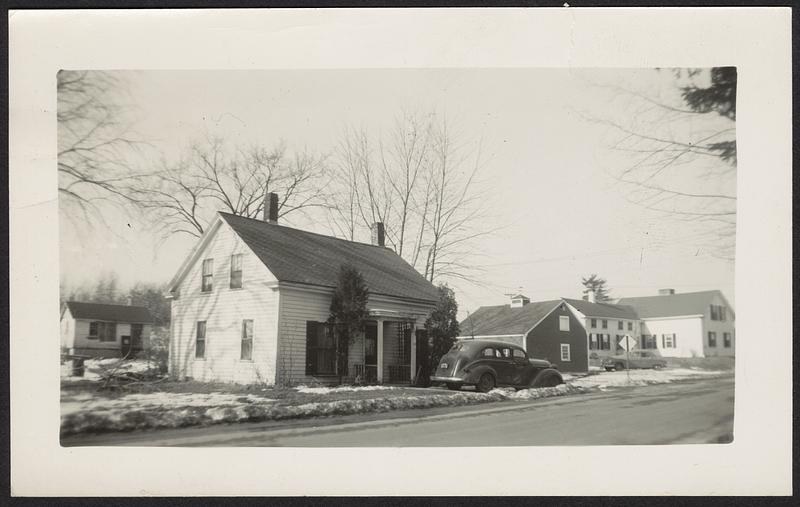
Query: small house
[104, 330]
[251, 301]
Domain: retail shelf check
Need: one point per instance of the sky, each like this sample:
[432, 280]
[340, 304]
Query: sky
[557, 214]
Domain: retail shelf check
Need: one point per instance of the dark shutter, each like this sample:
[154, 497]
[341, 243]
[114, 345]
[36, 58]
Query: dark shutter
[311, 339]
[674, 340]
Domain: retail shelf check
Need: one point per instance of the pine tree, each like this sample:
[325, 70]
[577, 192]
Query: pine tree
[348, 312]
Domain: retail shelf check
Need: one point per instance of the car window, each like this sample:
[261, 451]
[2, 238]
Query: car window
[507, 353]
[456, 347]
[519, 354]
[488, 352]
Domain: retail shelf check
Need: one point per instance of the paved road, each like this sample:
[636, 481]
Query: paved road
[686, 412]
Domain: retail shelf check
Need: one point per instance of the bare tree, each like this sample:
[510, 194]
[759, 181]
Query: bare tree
[95, 144]
[420, 183]
[182, 196]
[683, 153]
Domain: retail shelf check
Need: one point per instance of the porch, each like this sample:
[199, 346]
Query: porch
[385, 353]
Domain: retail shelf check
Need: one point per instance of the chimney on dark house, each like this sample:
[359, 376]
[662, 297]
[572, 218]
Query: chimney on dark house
[271, 207]
[378, 234]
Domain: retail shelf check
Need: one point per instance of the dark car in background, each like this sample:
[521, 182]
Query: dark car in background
[638, 359]
[487, 364]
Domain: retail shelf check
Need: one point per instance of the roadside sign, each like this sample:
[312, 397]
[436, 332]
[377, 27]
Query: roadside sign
[627, 342]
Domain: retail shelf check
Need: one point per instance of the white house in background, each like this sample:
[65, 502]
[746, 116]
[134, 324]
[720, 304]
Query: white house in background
[693, 324]
[250, 302]
[102, 330]
[606, 325]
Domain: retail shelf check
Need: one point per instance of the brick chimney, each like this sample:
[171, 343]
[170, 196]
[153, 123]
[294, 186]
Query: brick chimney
[378, 234]
[271, 208]
[591, 296]
[666, 292]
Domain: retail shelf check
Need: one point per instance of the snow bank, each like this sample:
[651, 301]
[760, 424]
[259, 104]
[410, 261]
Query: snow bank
[340, 389]
[641, 377]
[83, 413]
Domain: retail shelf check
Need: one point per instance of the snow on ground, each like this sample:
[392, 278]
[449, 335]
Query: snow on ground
[94, 368]
[640, 377]
[165, 401]
[340, 389]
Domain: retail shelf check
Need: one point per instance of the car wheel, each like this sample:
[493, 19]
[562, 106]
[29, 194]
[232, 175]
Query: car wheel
[658, 366]
[454, 387]
[609, 368]
[619, 366]
[486, 383]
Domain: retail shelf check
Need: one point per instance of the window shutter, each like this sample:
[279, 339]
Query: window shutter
[311, 333]
[674, 340]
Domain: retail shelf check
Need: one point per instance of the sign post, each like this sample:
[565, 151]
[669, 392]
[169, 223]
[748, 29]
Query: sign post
[627, 343]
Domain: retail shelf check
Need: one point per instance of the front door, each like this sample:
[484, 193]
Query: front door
[126, 346]
[371, 353]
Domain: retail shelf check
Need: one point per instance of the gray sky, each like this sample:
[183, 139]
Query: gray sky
[545, 177]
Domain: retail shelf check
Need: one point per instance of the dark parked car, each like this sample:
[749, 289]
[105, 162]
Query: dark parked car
[638, 359]
[486, 364]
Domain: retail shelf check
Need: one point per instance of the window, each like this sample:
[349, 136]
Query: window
[208, 275]
[519, 354]
[594, 322]
[726, 340]
[247, 340]
[320, 349]
[563, 323]
[717, 312]
[236, 271]
[669, 341]
[200, 341]
[103, 331]
[630, 326]
[620, 325]
[592, 341]
[605, 324]
[712, 339]
[649, 341]
[565, 352]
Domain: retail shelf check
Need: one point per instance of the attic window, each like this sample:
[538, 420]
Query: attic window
[236, 271]
[207, 282]
[563, 323]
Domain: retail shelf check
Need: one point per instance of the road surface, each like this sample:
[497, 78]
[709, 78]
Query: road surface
[684, 412]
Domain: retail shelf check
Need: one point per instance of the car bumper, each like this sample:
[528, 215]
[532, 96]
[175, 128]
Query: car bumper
[447, 380]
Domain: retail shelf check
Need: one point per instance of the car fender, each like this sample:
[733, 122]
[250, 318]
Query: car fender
[544, 375]
[476, 372]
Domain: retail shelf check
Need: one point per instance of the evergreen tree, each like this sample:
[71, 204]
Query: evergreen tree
[442, 327]
[597, 285]
[348, 313]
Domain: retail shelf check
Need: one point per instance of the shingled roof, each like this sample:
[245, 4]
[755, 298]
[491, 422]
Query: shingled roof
[303, 257]
[603, 310]
[672, 305]
[504, 320]
[110, 313]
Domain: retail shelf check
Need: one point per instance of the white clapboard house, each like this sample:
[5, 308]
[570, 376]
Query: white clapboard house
[250, 302]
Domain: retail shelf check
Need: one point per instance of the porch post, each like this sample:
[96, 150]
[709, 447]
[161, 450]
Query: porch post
[413, 350]
[380, 351]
